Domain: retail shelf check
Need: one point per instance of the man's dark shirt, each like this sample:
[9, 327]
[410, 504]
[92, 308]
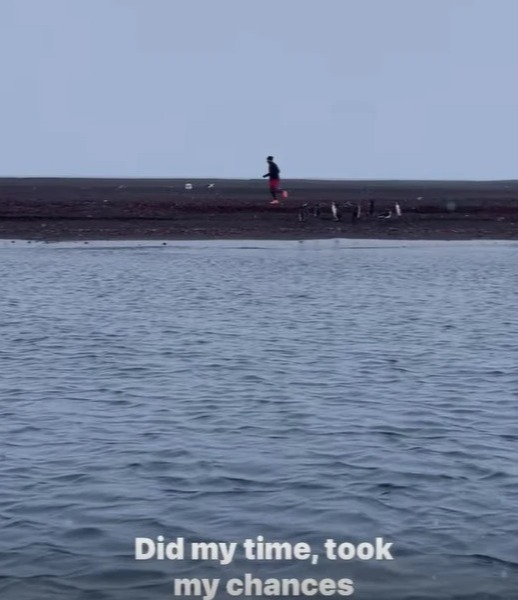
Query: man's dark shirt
[273, 171]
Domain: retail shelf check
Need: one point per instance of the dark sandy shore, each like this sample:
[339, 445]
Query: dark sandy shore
[113, 209]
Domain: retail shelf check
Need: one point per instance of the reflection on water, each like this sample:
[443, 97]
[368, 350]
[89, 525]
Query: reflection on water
[299, 391]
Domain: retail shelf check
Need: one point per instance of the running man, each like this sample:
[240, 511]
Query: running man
[274, 177]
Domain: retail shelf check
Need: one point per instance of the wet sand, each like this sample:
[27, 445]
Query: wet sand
[138, 209]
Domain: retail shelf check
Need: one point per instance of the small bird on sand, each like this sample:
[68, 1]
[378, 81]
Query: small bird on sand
[386, 215]
[356, 212]
[336, 213]
[303, 213]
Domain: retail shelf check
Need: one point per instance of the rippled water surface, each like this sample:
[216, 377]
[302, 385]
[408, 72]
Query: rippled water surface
[220, 391]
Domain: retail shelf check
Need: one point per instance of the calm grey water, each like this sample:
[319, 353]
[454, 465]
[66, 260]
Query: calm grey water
[299, 391]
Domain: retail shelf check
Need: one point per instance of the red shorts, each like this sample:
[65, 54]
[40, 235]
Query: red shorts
[274, 184]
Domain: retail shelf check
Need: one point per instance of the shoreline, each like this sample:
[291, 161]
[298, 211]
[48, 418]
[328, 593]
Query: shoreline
[100, 209]
[62, 230]
[252, 244]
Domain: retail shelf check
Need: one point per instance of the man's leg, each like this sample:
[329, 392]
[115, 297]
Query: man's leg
[274, 185]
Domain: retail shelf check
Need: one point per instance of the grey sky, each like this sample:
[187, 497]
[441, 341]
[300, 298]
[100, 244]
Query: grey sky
[332, 88]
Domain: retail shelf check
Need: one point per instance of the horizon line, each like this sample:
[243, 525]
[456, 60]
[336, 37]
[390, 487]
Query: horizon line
[208, 178]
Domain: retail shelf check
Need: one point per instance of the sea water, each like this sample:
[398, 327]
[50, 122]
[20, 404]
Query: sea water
[292, 391]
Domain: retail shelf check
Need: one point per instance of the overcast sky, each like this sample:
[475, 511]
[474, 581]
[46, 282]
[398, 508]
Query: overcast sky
[332, 88]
